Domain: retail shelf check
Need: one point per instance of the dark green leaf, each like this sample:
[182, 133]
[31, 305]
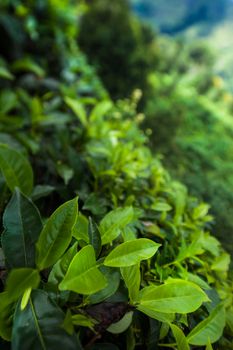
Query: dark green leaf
[39, 326]
[22, 224]
[94, 236]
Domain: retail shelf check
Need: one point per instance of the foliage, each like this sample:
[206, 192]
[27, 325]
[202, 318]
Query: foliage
[193, 110]
[119, 49]
[129, 264]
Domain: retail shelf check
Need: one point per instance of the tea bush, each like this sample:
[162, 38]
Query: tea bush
[131, 262]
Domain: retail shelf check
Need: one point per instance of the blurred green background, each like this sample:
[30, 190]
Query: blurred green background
[179, 53]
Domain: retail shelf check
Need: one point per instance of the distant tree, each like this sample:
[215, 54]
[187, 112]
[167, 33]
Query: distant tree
[115, 41]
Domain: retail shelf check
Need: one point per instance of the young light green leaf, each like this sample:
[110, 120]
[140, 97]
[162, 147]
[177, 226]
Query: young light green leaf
[19, 280]
[94, 236]
[181, 341]
[83, 276]
[82, 320]
[77, 108]
[38, 326]
[22, 226]
[221, 263]
[177, 296]
[56, 234]
[132, 278]
[113, 222]
[209, 329]
[131, 252]
[16, 169]
[209, 346]
[60, 268]
[25, 298]
[80, 228]
[122, 325]
[100, 110]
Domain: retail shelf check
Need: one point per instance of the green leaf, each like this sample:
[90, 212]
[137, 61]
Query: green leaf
[22, 226]
[19, 280]
[177, 296]
[113, 280]
[160, 316]
[65, 172]
[80, 229]
[25, 298]
[26, 64]
[161, 206]
[122, 325]
[6, 315]
[100, 110]
[181, 341]
[82, 320]
[113, 222]
[40, 191]
[56, 234]
[132, 278]
[38, 326]
[60, 268]
[221, 263]
[94, 237]
[131, 252]
[83, 276]
[5, 73]
[209, 329]
[16, 169]
[209, 346]
[77, 108]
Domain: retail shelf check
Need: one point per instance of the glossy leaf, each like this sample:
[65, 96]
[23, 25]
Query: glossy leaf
[210, 328]
[174, 297]
[131, 252]
[83, 276]
[181, 341]
[56, 234]
[16, 169]
[113, 222]
[38, 326]
[22, 226]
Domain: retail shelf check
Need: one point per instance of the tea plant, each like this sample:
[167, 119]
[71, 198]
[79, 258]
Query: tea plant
[100, 248]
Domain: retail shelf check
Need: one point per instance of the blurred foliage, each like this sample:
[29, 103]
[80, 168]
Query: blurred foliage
[186, 105]
[189, 111]
[118, 53]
